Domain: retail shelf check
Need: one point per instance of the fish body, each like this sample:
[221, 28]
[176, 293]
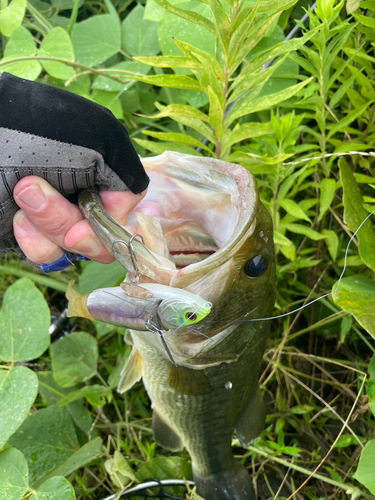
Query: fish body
[209, 213]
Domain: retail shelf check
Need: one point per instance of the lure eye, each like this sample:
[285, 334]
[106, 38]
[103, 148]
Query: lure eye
[190, 316]
[256, 266]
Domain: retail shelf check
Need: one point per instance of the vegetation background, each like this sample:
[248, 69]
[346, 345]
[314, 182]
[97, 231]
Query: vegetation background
[219, 78]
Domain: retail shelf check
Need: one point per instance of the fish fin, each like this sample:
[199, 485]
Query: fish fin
[188, 381]
[77, 303]
[132, 290]
[232, 484]
[132, 371]
[128, 338]
[164, 435]
[251, 422]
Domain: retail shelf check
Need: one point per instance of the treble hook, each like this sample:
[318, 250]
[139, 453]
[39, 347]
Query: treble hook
[133, 256]
[154, 329]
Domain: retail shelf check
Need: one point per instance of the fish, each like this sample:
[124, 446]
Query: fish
[211, 236]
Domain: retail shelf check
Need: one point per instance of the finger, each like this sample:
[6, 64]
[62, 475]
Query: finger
[37, 247]
[58, 220]
[119, 203]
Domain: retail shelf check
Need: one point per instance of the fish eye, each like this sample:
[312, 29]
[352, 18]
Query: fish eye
[256, 266]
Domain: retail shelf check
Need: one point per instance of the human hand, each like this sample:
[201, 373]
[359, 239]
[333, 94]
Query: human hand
[48, 223]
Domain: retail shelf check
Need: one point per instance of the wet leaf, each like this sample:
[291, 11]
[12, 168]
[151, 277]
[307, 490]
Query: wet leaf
[74, 358]
[14, 475]
[90, 451]
[46, 438]
[24, 322]
[21, 44]
[355, 214]
[56, 488]
[356, 295]
[18, 390]
[96, 39]
[57, 43]
[139, 36]
[365, 472]
[11, 17]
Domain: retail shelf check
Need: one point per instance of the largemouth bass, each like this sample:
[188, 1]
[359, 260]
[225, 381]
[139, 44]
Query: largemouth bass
[204, 218]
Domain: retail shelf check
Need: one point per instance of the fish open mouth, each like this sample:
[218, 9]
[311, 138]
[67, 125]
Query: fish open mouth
[194, 207]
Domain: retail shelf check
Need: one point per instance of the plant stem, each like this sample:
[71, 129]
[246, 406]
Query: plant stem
[73, 17]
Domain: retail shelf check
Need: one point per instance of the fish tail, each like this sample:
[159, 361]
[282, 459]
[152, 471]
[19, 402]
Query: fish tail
[232, 484]
[77, 303]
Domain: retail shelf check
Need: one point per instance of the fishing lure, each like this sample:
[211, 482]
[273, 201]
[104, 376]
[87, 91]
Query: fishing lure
[146, 307]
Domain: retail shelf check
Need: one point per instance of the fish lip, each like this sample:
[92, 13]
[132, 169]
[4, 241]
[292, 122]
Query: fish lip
[248, 204]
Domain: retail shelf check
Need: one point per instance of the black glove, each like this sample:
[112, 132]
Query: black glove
[68, 140]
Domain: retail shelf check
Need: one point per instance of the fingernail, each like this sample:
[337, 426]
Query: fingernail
[33, 197]
[24, 224]
[88, 246]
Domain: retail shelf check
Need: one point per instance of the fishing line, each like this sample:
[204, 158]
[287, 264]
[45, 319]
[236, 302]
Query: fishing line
[327, 294]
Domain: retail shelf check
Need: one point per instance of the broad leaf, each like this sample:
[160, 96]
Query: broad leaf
[121, 71]
[24, 322]
[11, 17]
[365, 472]
[153, 11]
[96, 39]
[46, 438]
[355, 214]
[14, 475]
[74, 358]
[57, 43]
[356, 295]
[139, 37]
[90, 451]
[97, 275]
[164, 468]
[18, 390]
[21, 44]
[56, 488]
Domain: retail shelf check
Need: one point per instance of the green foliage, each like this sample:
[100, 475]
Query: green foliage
[217, 79]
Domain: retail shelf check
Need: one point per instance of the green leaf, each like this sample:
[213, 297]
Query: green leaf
[327, 193]
[247, 131]
[86, 454]
[95, 395]
[21, 44]
[170, 62]
[366, 21]
[11, 17]
[352, 6]
[188, 15]
[139, 37]
[365, 471]
[96, 39]
[109, 85]
[345, 326]
[171, 27]
[14, 475]
[56, 488]
[173, 81]
[356, 295]
[178, 110]
[46, 438]
[97, 275]
[119, 470]
[153, 11]
[306, 231]
[18, 390]
[355, 214]
[243, 107]
[74, 358]
[24, 322]
[293, 209]
[174, 137]
[332, 242]
[348, 119]
[160, 147]
[57, 43]
[164, 468]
